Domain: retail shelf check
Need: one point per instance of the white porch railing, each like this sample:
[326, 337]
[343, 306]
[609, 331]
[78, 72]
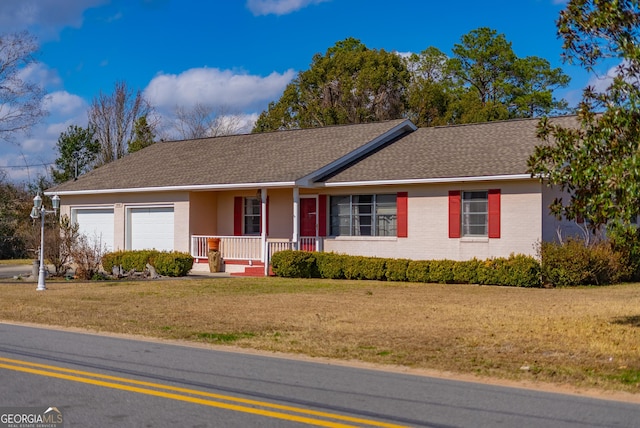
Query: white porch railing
[248, 247]
[231, 247]
[275, 246]
[310, 244]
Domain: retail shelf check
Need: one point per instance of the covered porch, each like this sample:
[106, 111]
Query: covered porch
[245, 237]
[249, 249]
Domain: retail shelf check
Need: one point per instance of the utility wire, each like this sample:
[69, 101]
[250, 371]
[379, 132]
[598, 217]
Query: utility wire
[27, 166]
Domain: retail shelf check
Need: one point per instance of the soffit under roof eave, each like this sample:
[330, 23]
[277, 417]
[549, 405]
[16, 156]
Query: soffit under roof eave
[438, 180]
[203, 187]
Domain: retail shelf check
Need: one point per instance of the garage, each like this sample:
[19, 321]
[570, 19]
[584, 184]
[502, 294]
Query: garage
[150, 228]
[96, 224]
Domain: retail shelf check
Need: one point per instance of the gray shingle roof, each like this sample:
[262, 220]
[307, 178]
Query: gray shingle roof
[253, 158]
[473, 150]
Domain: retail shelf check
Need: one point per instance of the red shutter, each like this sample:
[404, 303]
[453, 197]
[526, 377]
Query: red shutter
[454, 213]
[237, 215]
[402, 208]
[322, 215]
[494, 213]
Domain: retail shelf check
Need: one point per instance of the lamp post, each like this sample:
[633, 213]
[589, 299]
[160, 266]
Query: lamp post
[39, 210]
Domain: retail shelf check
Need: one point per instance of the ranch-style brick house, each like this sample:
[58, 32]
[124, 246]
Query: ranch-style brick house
[386, 189]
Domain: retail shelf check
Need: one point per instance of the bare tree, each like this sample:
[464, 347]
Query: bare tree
[203, 120]
[20, 100]
[113, 116]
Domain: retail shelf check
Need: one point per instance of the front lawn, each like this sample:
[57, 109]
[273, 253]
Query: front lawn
[584, 337]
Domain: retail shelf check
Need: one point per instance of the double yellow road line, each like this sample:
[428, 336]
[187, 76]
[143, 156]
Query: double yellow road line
[261, 408]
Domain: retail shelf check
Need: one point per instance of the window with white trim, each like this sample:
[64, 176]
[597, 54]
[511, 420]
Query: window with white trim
[475, 213]
[364, 215]
[251, 216]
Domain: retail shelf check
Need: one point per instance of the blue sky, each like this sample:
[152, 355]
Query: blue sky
[237, 55]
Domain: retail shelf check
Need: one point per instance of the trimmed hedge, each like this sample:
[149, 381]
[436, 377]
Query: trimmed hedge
[294, 264]
[172, 264]
[331, 265]
[166, 263]
[418, 271]
[358, 267]
[516, 270]
[396, 269]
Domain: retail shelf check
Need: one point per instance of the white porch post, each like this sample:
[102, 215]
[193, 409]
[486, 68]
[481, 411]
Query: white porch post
[296, 215]
[263, 228]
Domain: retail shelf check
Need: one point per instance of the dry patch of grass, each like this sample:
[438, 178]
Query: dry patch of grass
[587, 337]
[16, 262]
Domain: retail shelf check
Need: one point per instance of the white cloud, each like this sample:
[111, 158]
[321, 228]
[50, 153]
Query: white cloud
[43, 17]
[278, 7]
[41, 74]
[217, 88]
[240, 96]
[600, 82]
[33, 153]
[66, 108]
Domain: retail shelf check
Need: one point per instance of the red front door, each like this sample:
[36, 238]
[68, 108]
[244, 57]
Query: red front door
[308, 213]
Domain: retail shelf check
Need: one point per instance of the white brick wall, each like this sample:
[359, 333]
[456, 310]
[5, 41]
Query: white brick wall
[428, 237]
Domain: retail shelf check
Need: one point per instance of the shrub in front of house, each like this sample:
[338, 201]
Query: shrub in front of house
[331, 265]
[574, 263]
[172, 264]
[166, 263]
[625, 240]
[418, 271]
[128, 260]
[360, 267]
[137, 260]
[441, 271]
[396, 269]
[294, 264]
[466, 272]
[516, 270]
[109, 260]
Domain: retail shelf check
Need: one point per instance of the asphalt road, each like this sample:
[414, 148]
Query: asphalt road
[9, 271]
[98, 381]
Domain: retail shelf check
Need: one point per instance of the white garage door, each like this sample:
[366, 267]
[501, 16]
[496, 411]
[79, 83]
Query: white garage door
[151, 228]
[96, 225]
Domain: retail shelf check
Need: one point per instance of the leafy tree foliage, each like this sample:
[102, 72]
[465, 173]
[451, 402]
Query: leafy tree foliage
[483, 61]
[77, 152]
[533, 83]
[21, 100]
[497, 84]
[483, 80]
[597, 162]
[143, 135]
[431, 88]
[348, 84]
